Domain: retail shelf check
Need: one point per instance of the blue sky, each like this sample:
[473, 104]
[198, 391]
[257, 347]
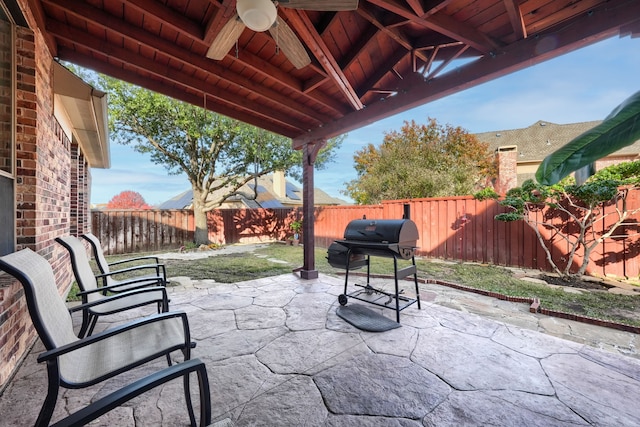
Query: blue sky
[580, 86]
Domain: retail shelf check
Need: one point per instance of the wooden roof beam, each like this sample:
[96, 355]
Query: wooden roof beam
[41, 19]
[365, 39]
[226, 10]
[442, 24]
[305, 29]
[516, 19]
[443, 64]
[434, 6]
[382, 71]
[168, 17]
[392, 33]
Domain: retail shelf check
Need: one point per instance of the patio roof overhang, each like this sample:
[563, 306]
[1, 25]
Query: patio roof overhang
[379, 59]
[366, 64]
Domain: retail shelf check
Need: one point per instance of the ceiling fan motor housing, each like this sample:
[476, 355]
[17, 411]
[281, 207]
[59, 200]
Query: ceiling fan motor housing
[258, 15]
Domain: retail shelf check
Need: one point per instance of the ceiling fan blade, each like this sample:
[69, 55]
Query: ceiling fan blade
[321, 5]
[289, 43]
[226, 38]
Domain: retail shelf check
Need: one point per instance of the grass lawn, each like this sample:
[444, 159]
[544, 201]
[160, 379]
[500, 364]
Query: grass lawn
[248, 266]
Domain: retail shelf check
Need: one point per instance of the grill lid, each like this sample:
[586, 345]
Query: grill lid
[387, 231]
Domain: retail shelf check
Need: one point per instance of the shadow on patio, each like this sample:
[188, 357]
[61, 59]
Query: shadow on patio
[278, 355]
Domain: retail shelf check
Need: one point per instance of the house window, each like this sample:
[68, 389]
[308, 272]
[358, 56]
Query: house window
[7, 135]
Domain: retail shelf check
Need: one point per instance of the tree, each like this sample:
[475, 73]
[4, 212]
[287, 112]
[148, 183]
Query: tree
[421, 161]
[588, 214]
[128, 200]
[218, 154]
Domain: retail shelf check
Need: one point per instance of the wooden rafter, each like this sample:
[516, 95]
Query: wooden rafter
[382, 70]
[169, 17]
[392, 33]
[445, 63]
[516, 19]
[434, 6]
[305, 29]
[226, 9]
[444, 25]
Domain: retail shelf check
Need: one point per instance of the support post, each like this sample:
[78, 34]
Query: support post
[309, 154]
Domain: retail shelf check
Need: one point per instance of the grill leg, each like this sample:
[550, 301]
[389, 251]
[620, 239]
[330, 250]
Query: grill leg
[395, 275]
[415, 280]
[346, 273]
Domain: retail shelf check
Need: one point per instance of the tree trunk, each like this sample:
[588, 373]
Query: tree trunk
[201, 234]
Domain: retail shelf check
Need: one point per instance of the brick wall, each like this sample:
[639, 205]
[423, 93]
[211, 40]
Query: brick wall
[80, 192]
[46, 202]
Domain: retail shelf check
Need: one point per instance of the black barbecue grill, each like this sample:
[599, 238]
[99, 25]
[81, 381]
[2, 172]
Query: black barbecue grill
[391, 238]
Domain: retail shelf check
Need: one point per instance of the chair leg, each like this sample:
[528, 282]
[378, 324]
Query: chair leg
[86, 318]
[46, 412]
[205, 396]
[187, 398]
[94, 320]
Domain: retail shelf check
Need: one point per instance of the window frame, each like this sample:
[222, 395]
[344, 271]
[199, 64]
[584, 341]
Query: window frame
[8, 210]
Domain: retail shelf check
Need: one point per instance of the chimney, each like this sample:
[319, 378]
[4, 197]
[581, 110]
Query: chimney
[279, 184]
[507, 168]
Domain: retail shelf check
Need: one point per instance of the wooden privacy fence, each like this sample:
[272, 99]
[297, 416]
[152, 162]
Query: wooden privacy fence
[454, 228]
[128, 231]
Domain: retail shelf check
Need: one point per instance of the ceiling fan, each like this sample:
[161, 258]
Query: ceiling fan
[262, 15]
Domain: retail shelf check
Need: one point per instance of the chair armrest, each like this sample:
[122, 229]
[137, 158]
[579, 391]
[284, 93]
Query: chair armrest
[156, 267]
[117, 330]
[124, 261]
[113, 297]
[124, 282]
[105, 289]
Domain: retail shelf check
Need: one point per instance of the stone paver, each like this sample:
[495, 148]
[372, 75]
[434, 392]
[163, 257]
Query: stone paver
[278, 355]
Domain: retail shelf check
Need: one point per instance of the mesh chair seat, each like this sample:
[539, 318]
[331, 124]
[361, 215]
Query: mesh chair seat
[87, 365]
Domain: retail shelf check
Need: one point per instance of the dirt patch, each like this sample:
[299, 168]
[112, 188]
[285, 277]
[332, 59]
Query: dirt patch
[576, 282]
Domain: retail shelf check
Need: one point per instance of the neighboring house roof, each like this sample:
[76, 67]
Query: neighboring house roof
[178, 202]
[542, 138]
[267, 196]
[538, 140]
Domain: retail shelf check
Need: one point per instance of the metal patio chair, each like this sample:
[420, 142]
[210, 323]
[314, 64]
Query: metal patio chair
[79, 363]
[158, 276]
[102, 302]
[105, 267]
